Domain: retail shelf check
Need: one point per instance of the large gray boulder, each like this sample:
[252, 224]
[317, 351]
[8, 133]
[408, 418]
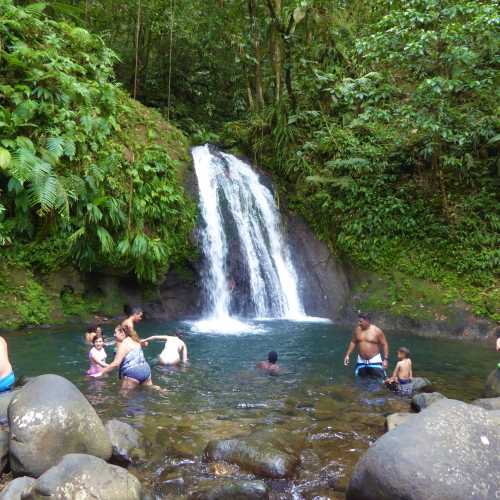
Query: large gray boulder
[450, 451]
[127, 443]
[4, 449]
[48, 419]
[488, 403]
[224, 489]
[421, 384]
[258, 456]
[84, 477]
[18, 488]
[396, 419]
[5, 399]
[492, 389]
[424, 400]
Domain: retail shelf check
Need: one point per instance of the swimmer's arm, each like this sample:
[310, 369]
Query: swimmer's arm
[385, 346]
[184, 354]
[155, 337]
[350, 348]
[411, 370]
[120, 354]
[396, 371]
[100, 363]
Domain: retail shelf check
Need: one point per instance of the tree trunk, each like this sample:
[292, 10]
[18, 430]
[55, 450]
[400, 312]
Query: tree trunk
[288, 74]
[259, 93]
[137, 31]
[276, 55]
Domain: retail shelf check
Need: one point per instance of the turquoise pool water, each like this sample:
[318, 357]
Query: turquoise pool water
[221, 394]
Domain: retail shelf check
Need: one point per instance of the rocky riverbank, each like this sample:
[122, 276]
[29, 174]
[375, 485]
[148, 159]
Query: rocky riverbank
[55, 446]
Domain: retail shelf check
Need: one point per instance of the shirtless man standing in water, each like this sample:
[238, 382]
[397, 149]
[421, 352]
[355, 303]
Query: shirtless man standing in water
[175, 350]
[369, 339]
[135, 316]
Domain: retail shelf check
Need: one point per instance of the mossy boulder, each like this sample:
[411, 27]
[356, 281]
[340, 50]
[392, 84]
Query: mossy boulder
[254, 454]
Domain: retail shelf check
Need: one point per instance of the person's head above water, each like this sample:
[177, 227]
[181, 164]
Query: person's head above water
[98, 341]
[136, 313]
[91, 334]
[124, 331]
[403, 353]
[272, 357]
[363, 320]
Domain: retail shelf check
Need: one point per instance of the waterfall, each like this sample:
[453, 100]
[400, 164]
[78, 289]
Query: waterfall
[248, 268]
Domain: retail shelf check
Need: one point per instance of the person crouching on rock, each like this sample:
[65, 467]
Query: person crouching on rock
[402, 375]
[97, 356]
[369, 339]
[271, 365]
[133, 369]
[7, 377]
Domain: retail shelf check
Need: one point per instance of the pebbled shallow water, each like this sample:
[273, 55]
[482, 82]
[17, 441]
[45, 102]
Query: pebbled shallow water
[314, 405]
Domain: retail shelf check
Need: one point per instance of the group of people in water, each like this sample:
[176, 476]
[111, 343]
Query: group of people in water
[133, 369]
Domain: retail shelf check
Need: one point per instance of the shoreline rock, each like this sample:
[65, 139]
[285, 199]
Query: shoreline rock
[48, 419]
[78, 476]
[223, 489]
[448, 452]
[423, 400]
[396, 419]
[18, 488]
[256, 456]
[492, 388]
[490, 404]
[127, 443]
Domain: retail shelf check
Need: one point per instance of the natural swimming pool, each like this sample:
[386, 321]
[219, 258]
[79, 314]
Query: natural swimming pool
[314, 403]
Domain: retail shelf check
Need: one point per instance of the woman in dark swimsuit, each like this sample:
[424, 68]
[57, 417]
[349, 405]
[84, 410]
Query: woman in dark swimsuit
[132, 367]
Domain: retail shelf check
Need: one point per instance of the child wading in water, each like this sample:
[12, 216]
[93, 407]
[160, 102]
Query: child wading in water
[97, 356]
[402, 375]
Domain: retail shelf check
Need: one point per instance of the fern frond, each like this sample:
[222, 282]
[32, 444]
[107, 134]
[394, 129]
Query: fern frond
[105, 239]
[55, 146]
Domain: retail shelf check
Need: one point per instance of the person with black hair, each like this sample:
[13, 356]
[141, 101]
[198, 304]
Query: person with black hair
[271, 365]
[369, 340]
[135, 316]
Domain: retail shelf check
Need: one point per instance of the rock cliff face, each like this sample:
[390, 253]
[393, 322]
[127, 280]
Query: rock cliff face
[324, 279]
[329, 287]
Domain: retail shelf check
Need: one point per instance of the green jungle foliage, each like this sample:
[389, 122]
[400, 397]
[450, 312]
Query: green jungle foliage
[378, 119]
[391, 141]
[87, 176]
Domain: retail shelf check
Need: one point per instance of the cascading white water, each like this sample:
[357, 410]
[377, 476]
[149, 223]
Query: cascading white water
[231, 195]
